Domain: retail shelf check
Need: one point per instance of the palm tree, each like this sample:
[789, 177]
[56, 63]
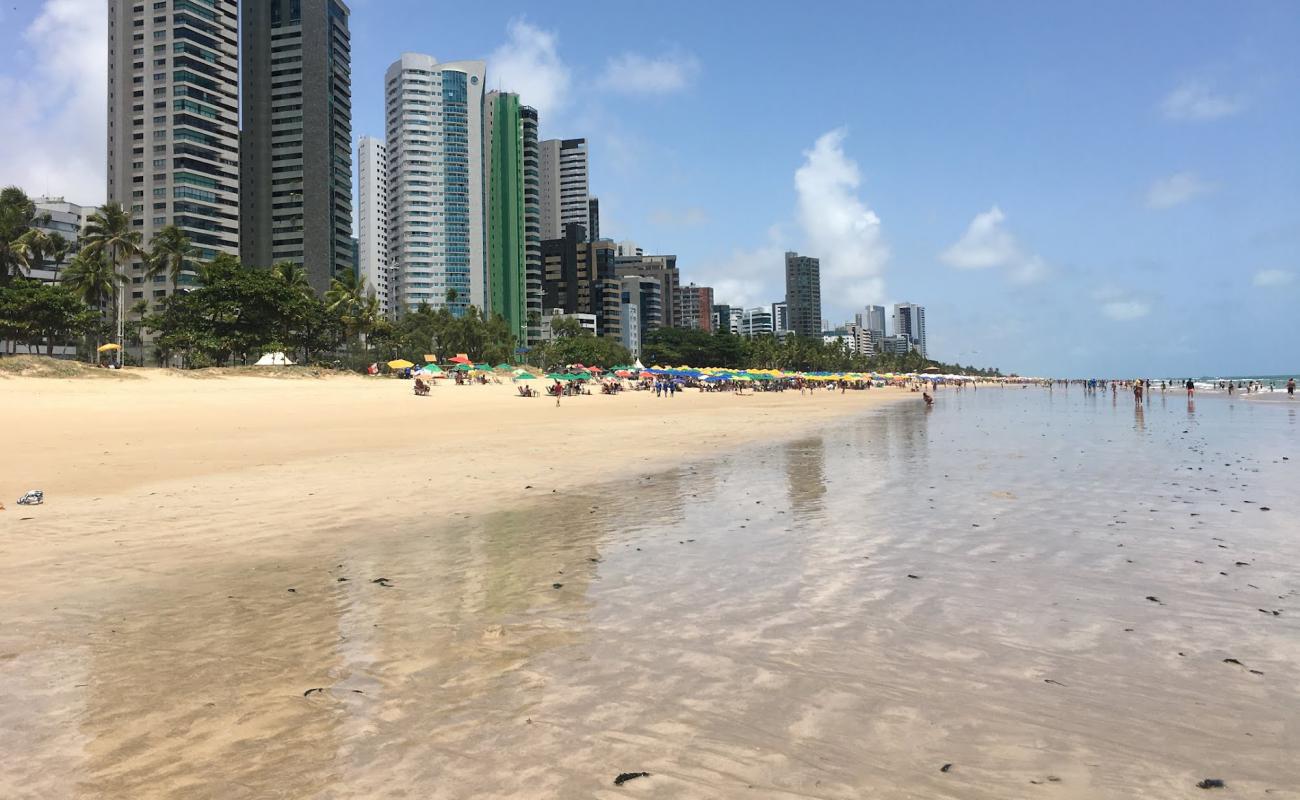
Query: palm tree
[347, 298]
[92, 279]
[109, 235]
[17, 216]
[35, 248]
[293, 274]
[170, 252]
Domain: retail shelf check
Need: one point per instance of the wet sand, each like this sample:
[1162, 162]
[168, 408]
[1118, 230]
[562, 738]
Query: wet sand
[743, 625]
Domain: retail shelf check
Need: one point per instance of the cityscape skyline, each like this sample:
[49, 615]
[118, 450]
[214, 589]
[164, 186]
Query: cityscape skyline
[993, 269]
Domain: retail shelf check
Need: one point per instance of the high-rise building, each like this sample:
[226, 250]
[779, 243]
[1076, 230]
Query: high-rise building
[579, 278]
[503, 167]
[873, 319]
[721, 315]
[909, 321]
[693, 307]
[372, 219]
[803, 294]
[173, 125]
[58, 217]
[627, 249]
[780, 316]
[662, 268]
[565, 190]
[642, 303]
[532, 227]
[296, 146]
[593, 218]
[756, 322]
[435, 182]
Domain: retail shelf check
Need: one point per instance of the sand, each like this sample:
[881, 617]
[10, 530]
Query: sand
[178, 468]
[717, 592]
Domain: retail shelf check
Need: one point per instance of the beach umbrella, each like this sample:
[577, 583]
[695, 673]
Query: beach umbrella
[556, 376]
[399, 363]
[104, 348]
[461, 358]
[432, 369]
[503, 366]
[463, 367]
[525, 376]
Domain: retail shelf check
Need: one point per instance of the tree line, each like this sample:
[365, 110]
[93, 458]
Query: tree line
[221, 312]
[675, 346]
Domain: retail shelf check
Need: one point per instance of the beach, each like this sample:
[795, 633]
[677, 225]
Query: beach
[248, 587]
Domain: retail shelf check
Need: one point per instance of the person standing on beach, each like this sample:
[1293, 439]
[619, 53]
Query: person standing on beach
[559, 390]
[1137, 392]
[1290, 389]
[1191, 389]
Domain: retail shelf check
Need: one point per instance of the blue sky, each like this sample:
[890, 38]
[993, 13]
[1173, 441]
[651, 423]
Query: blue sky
[1104, 188]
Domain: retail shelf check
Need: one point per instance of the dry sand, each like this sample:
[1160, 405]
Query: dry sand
[179, 468]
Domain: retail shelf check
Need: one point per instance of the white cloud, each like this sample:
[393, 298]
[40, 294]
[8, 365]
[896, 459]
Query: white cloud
[1273, 277]
[839, 227]
[748, 277]
[529, 63]
[1125, 310]
[1196, 102]
[986, 243]
[1120, 305]
[684, 218]
[637, 74]
[55, 120]
[1175, 190]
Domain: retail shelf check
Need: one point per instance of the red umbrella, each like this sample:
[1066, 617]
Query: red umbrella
[596, 370]
[622, 373]
[461, 358]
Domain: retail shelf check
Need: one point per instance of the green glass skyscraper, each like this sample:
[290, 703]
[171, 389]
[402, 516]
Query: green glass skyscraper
[503, 136]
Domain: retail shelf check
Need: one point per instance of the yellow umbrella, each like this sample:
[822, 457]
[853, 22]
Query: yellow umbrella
[104, 348]
[399, 363]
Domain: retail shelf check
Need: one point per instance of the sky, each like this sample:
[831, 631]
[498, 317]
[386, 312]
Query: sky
[1103, 188]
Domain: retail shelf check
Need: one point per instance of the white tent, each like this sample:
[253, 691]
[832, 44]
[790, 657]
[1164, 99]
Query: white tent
[273, 360]
[639, 366]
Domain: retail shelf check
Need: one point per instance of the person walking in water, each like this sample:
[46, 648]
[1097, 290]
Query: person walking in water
[1290, 389]
[1137, 392]
[1191, 389]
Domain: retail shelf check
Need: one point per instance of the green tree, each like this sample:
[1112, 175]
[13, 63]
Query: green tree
[110, 236]
[91, 278]
[37, 314]
[171, 254]
[293, 274]
[18, 216]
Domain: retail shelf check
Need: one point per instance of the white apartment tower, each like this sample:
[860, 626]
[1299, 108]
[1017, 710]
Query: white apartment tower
[372, 218]
[434, 116]
[909, 321]
[173, 125]
[565, 186]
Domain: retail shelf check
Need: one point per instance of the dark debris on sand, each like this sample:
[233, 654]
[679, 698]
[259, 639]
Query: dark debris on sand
[624, 777]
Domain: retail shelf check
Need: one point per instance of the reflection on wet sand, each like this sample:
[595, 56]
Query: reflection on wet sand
[832, 617]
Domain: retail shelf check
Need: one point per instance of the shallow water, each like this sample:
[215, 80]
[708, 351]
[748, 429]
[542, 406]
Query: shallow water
[743, 626]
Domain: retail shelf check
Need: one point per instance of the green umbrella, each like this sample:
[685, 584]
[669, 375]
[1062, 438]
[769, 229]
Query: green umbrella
[463, 368]
[556, 376]
[525, 376]
[502, 366]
